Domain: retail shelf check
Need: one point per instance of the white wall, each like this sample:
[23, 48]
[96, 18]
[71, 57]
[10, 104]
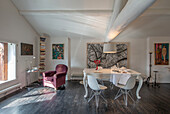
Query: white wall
[51, 63]
[79, 54]
[77, 58]
[14, 28]
[139, 49]
[164, 73]
[137, 53]
[156, 28]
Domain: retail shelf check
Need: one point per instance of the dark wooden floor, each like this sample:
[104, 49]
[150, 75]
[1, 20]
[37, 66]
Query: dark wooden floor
[43, 100]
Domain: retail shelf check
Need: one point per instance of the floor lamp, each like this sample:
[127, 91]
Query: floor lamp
[150, 66]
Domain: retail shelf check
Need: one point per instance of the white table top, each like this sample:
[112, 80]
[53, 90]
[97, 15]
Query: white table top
[108, 71]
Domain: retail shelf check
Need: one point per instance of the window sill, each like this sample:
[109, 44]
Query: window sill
[2, 82]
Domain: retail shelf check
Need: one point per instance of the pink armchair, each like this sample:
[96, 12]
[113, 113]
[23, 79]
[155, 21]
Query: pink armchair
[55, 79]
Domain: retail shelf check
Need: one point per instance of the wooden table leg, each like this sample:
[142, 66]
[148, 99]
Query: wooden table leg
[85, 85]
[139, 86]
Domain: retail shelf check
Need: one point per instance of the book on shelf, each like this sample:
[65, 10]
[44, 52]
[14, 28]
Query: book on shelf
[42, 53]
[42, 44]
[42, 39]
[42, 49]
[42, 64]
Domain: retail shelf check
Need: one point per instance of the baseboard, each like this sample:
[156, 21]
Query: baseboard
[75, 77]
[10, 94]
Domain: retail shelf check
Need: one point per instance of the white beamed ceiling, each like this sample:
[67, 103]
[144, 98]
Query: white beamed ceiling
[67, 18]
[58, 18]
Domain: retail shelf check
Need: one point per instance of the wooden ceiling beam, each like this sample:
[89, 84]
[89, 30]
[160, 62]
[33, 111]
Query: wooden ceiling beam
[132, 10]
[54, 12]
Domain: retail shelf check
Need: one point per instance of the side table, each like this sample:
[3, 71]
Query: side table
[28, 71]
[155, 84]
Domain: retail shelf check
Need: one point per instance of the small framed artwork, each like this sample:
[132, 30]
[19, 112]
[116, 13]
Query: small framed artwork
[161, 53]
[58, 51]
[26, 49]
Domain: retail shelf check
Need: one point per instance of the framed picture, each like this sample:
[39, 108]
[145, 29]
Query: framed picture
[161, 53]
[95, 52]
[26, 49]
[58, 51]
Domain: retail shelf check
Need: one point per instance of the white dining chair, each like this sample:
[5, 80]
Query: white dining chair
[101, 78]
[126, 89]
[96, 89]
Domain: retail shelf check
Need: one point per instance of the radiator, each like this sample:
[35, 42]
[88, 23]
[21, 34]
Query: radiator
[10, 88]
[76, 76]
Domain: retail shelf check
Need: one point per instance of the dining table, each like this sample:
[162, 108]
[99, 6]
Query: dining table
[116, 76]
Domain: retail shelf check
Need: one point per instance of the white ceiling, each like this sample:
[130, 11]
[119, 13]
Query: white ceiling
[65, 18]
[58, 18]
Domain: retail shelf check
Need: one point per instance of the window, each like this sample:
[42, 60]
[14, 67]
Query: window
[7, 61]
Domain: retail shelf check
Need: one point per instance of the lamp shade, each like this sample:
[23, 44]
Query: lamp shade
[109, 48]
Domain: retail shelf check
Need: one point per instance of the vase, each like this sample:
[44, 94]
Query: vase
[96, 67]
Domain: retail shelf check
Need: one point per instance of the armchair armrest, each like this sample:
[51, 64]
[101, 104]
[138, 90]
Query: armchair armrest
[49, 73]
[58, 74]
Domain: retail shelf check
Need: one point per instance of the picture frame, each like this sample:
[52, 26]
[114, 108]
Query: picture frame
[94, 51]
[161, 53]
[58, 51]
[26, 49]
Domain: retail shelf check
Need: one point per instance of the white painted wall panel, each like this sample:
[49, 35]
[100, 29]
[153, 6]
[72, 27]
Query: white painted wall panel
[14, 28]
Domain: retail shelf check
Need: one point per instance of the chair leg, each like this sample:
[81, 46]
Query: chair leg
[97, 100]
[91, 98]
[125, 93]
[91, 93]
[130, 92]
[111, 85]
[103, 98]
[130, 97]
[126, 97]
[118, 94]
[102, 93]
[97, 94]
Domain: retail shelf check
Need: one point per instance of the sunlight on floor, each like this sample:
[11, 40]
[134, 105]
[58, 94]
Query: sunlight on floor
[32, 97]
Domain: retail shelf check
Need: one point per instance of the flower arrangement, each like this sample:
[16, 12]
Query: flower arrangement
[97, 62]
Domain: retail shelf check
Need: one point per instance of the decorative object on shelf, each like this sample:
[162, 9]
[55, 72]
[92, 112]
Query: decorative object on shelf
[109, 48]
[26, 49]
[30, 62]
[33, 69]
[161, 53]
[95, 52]
[58, 51]
[97, 62]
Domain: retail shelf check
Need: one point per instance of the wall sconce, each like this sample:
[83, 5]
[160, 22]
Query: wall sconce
[109, 48]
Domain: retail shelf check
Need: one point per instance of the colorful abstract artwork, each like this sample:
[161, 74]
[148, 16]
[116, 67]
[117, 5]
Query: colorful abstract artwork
[26, 49]
[58, 51]
[161, 53]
